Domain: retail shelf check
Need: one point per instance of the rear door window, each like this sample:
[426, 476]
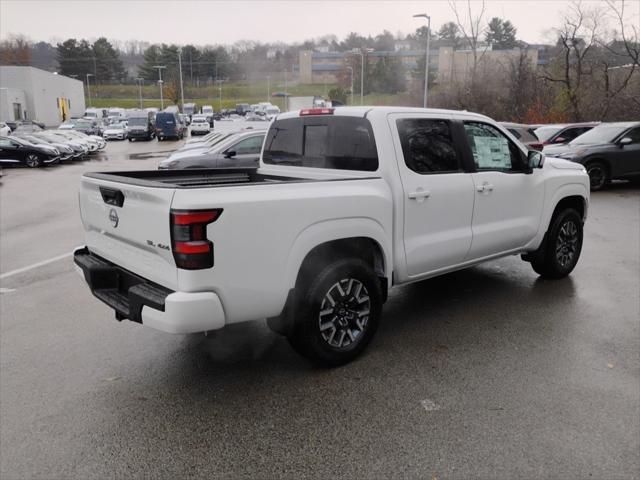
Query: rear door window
[427, 145]
[340, 143]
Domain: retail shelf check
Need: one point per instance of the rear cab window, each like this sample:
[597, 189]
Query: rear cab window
[323, 141]
[428, 146]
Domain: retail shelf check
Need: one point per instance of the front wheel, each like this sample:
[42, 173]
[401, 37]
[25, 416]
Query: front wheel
[33, 160]
[337, 313]
[561, 249]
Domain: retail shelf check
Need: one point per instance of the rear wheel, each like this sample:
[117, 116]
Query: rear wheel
[598, 175]
[337, 313]
[33, 160]
[561, 249]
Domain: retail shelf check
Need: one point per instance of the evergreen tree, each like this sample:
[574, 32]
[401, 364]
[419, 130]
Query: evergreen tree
[501, 34]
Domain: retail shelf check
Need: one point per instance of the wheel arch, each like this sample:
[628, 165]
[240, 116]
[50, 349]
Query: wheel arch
[362, 238]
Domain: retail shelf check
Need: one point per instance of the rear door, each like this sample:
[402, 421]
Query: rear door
[129, 225]
[438, 193]
[508, 199]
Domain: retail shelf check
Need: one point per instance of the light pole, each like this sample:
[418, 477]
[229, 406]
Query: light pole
[268, 87]
[88, 87]
[140, 80]
[160, 67]
[426, 59]
[181, 85]
[284, 101]
[361, 52]
[220, 93]
[351, 70]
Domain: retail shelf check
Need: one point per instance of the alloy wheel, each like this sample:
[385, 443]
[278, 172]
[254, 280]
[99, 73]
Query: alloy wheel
[597, 176]
[32, 160]
[567, 243]
[344, 313]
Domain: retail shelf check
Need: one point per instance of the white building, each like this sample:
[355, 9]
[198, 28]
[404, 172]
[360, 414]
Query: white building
[34, 94]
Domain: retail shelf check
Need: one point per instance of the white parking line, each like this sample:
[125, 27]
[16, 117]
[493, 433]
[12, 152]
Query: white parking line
[35, 265]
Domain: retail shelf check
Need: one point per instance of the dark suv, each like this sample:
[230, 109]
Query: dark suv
[608, 151]
[169, 125]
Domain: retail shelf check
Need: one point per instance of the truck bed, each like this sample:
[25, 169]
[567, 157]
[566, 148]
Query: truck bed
[197, 178]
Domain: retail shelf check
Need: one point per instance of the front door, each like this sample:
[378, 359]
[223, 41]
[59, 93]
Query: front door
[508, 196]
[247, 153]
[626, 160]
[438, 193]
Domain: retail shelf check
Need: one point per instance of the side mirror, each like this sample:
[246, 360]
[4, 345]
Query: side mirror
[535, 159]
[560, 140]
[230, 154]
[625, 141]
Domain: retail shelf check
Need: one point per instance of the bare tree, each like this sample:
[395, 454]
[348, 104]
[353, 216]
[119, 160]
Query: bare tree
[471, 29]
[577, 37]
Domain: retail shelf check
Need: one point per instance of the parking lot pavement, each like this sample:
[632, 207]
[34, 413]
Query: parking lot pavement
[485, 373]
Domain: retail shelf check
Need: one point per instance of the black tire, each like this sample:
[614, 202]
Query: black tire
[350, 323]
[33, 160]
[560, 250]
[130, 139]
[598, 175]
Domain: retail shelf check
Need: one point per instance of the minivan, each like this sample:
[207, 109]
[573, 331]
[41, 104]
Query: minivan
[168, 125]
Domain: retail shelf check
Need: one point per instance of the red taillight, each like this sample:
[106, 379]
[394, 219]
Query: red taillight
[316, 111]
[191, 248]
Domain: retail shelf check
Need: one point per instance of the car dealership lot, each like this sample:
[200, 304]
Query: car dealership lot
[489, 372]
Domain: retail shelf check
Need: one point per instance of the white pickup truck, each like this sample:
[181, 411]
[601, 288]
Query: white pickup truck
[346, 203]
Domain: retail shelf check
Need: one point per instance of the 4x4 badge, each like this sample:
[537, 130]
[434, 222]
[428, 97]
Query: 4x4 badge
[113, 217]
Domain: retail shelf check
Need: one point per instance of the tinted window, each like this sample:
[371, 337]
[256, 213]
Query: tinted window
[571, 133]
[491, 149]
[427, 145]
[515, 133]
[251, 145]
[342, 143]
[634, 135]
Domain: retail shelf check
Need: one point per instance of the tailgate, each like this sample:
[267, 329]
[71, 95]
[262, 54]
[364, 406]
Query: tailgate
[129, 226]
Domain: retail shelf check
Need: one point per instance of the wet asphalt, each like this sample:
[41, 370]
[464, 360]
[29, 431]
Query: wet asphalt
[485, 373]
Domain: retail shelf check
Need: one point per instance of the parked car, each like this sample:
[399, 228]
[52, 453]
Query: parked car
[236, 150]
[200, 125]
[564, 133]
[5, 130]
[88, 126]
[65, 151]
[80, 149]
[243, 108]
[207, 110]
[116, 131]
[168, 125]
[186, 119]
[524, 133]
[14, 150]
[141, 125]
[609, 151]
[346, 204]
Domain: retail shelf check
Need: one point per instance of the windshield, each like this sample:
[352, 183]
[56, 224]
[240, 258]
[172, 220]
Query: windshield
[138, 122]
[599, 134]
[545, 133]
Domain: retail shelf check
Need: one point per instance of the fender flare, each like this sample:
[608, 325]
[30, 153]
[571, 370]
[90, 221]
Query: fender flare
[337, 229]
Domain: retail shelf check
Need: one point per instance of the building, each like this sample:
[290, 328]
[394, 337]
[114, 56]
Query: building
[34, 94]
[446, 63]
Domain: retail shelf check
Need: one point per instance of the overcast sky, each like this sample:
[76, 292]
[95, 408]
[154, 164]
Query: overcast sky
[225, 22]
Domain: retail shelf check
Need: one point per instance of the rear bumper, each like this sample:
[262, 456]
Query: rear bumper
[134, 298]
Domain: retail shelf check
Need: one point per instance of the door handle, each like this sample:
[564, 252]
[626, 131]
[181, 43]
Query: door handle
[419, 195]
[485, 187]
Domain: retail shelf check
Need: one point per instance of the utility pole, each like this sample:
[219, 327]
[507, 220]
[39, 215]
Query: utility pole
[426, 58]
[180, 70]
[89, 87]
[361, 53]
[160, 67]
[140, 80]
